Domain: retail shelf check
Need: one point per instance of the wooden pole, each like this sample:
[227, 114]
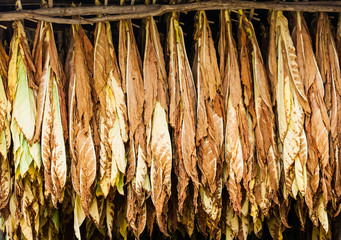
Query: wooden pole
[142, 11]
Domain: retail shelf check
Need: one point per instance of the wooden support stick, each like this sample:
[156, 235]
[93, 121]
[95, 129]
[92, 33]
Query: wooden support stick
[142, 11]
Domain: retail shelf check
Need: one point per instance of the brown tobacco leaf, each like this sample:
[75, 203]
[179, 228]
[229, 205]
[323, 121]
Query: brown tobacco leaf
[291, 59]
[235, 113]
[51, 123]
[113, 126]
[291, 101]
[137, 172]
[82, 72]
[250, 170]
[5, 182]
[102, 64]
[87, 167]
[5, 138]
[182, 117]
[317, 124]
[159, 149]
[272, 57]
[4, 60]
[331, 76]
[209, 128]
[326, 57]
[311, 78]
[264, 125]
[83, 169]
[335, 125]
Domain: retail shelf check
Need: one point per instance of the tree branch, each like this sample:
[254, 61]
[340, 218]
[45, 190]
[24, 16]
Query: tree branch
[141, 11]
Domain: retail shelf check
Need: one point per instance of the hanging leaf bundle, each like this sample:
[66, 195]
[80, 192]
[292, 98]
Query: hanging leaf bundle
[236, 121]
[317, 125]
[111, 118]
[335, 124]
[182, 118]
[5, 138]
[236, 133]
[209, 127]
[159, 147]
[78, 69]
[137, 176]
[268, 170]
[27, 200]
[51, 119]
[328, 63]
[113, 126]
[292, 103]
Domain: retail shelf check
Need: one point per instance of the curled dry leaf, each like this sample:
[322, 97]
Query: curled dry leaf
[328, 62]
[264, 127]
[251, 165]
[82, 148]
[209, 127]
[236, 129]
[51, 122]
[317, 124]
[28, 188]
[335, 123]
[292, 104]
[113, 126]
[159, 148]
[137, 172]
[22, 90]
[182, 118]
[5, 136]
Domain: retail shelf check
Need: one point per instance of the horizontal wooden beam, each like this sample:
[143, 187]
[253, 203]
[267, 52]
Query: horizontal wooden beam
[115, 13]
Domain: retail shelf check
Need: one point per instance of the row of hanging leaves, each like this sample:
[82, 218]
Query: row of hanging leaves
[149, 146]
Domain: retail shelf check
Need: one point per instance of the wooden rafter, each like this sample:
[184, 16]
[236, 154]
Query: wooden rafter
[115, 13]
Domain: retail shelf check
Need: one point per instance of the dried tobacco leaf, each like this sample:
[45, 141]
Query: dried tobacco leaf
[328, 62]
[292, 104]
[209, 127]
[51, 123]
[27, 200]
[82, 148]
[5, 137]
[182, 118]
[336, 127]
[113, 126]
[317, 124]
[251, 165]
[268, 173]
[137, 172]
[236, 121]
[159, 148]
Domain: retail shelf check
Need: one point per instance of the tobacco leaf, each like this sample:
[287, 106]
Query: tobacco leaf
[292, 105]
[137, 172]
[235, 114]
[112, 114]
[159, 149]
[81, 140]
[182, 118]
[51, 111]
[264, 126]
[209, 126]
[331, 77]
[5, 137]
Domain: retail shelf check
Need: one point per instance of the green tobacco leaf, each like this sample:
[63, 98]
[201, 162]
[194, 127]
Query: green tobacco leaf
[24, 107]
